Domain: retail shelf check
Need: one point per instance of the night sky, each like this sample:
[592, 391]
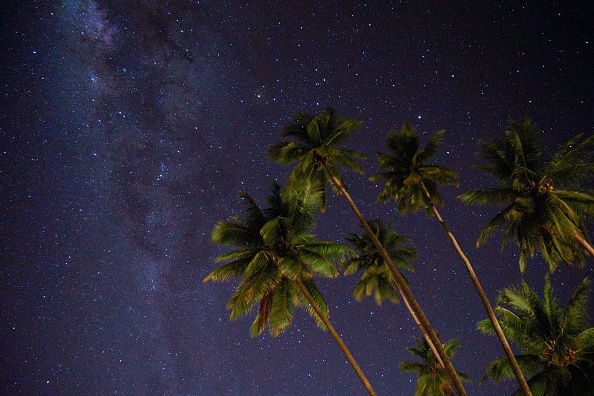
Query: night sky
[128, 128]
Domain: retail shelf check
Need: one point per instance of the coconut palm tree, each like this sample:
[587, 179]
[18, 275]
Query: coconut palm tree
[377, 277]
[376, 273]
[314, 143]
[545, 203]
[411, 179]
[557, 346]
[432, 380]
[276, 259]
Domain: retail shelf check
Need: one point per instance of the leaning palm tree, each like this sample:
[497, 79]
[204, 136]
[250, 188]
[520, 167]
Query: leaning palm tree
[377, 277]
[411, 179]
[432, 380]
[276, 259]
[557, 346]
[545, 203]
[314, 143]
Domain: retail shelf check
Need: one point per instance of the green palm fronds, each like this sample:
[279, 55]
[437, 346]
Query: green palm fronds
[431, 380]
[377, 278]
[557, 347]
[274, 248]
[407, 167]
[314, 143]
[545, 204]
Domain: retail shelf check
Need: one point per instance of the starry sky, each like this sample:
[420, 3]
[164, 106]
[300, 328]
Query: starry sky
[129, 128]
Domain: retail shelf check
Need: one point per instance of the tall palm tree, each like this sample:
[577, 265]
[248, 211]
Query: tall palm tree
[276, 259]
[377, 277]
[314, 143]
[545, 203]
[432, 380]
[557, 346]
[412, 181]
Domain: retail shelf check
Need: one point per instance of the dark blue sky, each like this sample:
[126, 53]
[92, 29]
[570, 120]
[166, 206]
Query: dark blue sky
[129, 129]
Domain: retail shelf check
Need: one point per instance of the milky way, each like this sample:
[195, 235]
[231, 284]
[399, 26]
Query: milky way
[129, 129]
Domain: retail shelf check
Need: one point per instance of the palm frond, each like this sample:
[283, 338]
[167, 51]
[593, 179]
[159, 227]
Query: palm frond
[252, 288]
[571, 162]
[500, 369]
[263, 315]
[233, 269]
[497, 222]
[235, 233]
[318, 263]
[281, 313]
[584, 341]
[317, 296]
[433, 144]
[575, 317]
[488, 196]
[450, 347]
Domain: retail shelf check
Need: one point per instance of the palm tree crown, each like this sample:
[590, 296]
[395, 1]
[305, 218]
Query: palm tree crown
[545, 204]
[376, 273]
[432, 380]
[407, 168]
[314, 142]
[557, 345]
[274, 250]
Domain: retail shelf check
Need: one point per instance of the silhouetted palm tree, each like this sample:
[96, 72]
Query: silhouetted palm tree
[314, 143]
[432, 380]
[557, 346]
[276, 259]
[412, 181]
[545, 202]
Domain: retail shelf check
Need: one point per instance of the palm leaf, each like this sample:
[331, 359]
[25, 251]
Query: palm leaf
[317, 296]
[282, 308]
[575, 317]
[263, 314]
[232, 269]
[234, 233]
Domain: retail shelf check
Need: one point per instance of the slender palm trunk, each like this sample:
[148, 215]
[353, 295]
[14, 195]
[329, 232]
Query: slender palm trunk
[449, 369]
[508, 352]
[584, 243]
[419, 325]
[336, 337]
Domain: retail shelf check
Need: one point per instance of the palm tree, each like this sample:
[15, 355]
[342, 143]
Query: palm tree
[432, 380]
[377, 277]
[412, 181]
[376, 273]
[557, 347]
[276, 259]
[314, 143]
[545, 204]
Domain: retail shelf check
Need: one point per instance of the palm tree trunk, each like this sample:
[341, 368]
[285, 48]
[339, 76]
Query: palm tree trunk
[508, 352]
[336, 337]
[584, 243]
[449, 369]
[419, 325]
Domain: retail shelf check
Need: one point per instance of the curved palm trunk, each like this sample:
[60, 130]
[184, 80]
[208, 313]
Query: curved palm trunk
[419, 325]
[337, 338]
[508, 352]
[449, 369]
[584, 243]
